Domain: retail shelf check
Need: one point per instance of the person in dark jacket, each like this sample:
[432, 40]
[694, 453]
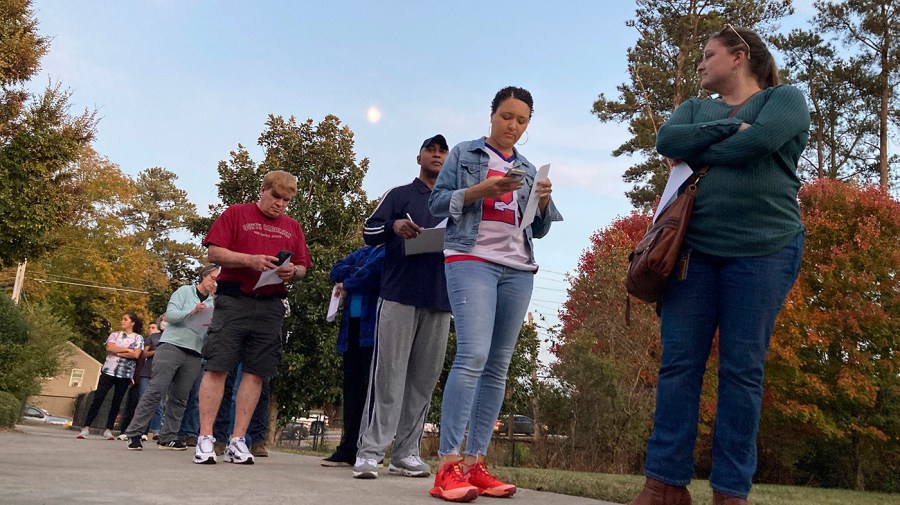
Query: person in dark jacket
[357, 279]
[413, 324]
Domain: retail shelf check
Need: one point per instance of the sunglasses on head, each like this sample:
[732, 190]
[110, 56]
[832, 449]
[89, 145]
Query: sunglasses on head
[728, 25]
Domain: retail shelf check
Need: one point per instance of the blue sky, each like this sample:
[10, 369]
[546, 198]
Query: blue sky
[179, 83]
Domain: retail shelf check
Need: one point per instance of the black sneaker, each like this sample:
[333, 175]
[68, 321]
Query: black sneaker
[174, 445]
[336, 460]
[135, 444]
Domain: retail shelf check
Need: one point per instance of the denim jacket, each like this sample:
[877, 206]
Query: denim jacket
[466, 166]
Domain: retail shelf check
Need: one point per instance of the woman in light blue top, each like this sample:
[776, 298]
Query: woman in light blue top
[176, 363]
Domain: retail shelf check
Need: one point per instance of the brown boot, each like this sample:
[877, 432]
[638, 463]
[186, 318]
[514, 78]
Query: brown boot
[258, 449]
[219, 447]
[660, 493]
[724, 499]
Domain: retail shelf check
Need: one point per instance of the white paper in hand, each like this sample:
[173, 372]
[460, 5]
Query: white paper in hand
[680, 173]
[531, 209]
[200, 321]
[270, 277]
[334, 305]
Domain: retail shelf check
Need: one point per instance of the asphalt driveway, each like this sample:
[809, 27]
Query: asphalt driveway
[47, 465]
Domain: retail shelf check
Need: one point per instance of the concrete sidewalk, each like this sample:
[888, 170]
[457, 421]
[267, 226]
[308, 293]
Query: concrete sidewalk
[48, 465]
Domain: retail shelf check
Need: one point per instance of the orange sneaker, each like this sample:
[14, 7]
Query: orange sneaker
[479, 476]
[450, 484]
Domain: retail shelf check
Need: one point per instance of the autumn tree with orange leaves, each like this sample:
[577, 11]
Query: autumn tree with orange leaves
[833, 374]
[607, 368]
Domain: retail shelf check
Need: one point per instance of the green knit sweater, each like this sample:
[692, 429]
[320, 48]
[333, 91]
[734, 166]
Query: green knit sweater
[747, 203]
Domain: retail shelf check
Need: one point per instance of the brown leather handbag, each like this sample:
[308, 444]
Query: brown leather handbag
[656, 255]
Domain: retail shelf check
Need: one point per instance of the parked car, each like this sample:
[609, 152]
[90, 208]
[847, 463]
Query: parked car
[39, 415]
[522, 425]
[294, 431]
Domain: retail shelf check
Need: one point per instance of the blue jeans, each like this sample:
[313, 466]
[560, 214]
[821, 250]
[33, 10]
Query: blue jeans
[741, 297]
[489, 303]
[156, 421]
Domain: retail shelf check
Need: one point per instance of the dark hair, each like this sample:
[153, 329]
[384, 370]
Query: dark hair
[513, 92]
[138, 323]
[759, 59]
[206, 270]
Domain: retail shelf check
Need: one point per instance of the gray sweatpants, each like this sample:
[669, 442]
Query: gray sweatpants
[174, 370]
[409, 355]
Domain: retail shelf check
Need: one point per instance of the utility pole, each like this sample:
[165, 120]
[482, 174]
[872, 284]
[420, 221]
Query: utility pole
[20, 279]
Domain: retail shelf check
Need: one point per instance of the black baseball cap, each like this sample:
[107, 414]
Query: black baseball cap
[437, 139]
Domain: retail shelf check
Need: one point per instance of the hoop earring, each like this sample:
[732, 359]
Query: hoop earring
[526, 139]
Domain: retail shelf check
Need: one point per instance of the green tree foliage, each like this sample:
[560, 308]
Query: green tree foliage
[834, 367]
[839, 90]
[661, 67]
[100, 270]
[155, 214]
[872, 29]
[31, 347]
[331, 206]
[38, 140]
[10, 409]
[606, 368]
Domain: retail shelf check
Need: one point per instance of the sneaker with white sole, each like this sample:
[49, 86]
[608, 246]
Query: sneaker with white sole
[237, 452]
[122, 436]
[135, 444]
[365, 468]
[410, 466]
[84, 432]
[107, 434]
[205, 454]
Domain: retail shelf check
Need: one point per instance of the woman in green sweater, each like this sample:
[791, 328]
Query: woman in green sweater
[745, 242]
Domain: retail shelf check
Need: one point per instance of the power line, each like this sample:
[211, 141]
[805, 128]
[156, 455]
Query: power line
[552, 272]
[548, 301]
[127, 290]
[552, 289]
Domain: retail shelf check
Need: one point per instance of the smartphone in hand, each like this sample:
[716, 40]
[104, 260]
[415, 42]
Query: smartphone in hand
[516, 174]
[282, 257]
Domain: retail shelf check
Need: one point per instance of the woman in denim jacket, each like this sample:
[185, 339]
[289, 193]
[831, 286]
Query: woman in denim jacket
[483, 188]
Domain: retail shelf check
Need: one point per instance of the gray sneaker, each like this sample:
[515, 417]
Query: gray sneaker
[410, 466]
[365, 468]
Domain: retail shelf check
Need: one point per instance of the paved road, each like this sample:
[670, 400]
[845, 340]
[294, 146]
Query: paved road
[46, 465]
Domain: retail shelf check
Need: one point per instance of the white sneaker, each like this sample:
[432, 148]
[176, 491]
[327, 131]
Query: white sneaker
[143, 438]
[107, 434]
[410, 466]
[84, 432]
[122, 436]
[365, 468]
[237, 452]
[205, 453]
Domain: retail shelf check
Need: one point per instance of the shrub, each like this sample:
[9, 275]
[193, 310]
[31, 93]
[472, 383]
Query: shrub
[10, 409]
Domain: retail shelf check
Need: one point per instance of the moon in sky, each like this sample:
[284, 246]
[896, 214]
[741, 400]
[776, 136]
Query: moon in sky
[373, 114]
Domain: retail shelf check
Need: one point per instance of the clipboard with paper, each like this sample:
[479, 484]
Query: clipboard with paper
[429, 240]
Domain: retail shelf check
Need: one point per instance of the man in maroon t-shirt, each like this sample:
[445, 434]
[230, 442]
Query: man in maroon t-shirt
[246, 241]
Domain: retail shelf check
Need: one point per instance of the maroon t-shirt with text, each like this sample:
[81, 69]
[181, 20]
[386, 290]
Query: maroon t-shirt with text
[245, 229]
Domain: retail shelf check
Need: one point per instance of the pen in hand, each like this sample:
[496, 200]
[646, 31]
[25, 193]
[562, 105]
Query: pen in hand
[410, 218]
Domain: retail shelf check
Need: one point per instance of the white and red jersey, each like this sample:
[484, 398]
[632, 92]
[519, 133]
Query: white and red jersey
[499, 238]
